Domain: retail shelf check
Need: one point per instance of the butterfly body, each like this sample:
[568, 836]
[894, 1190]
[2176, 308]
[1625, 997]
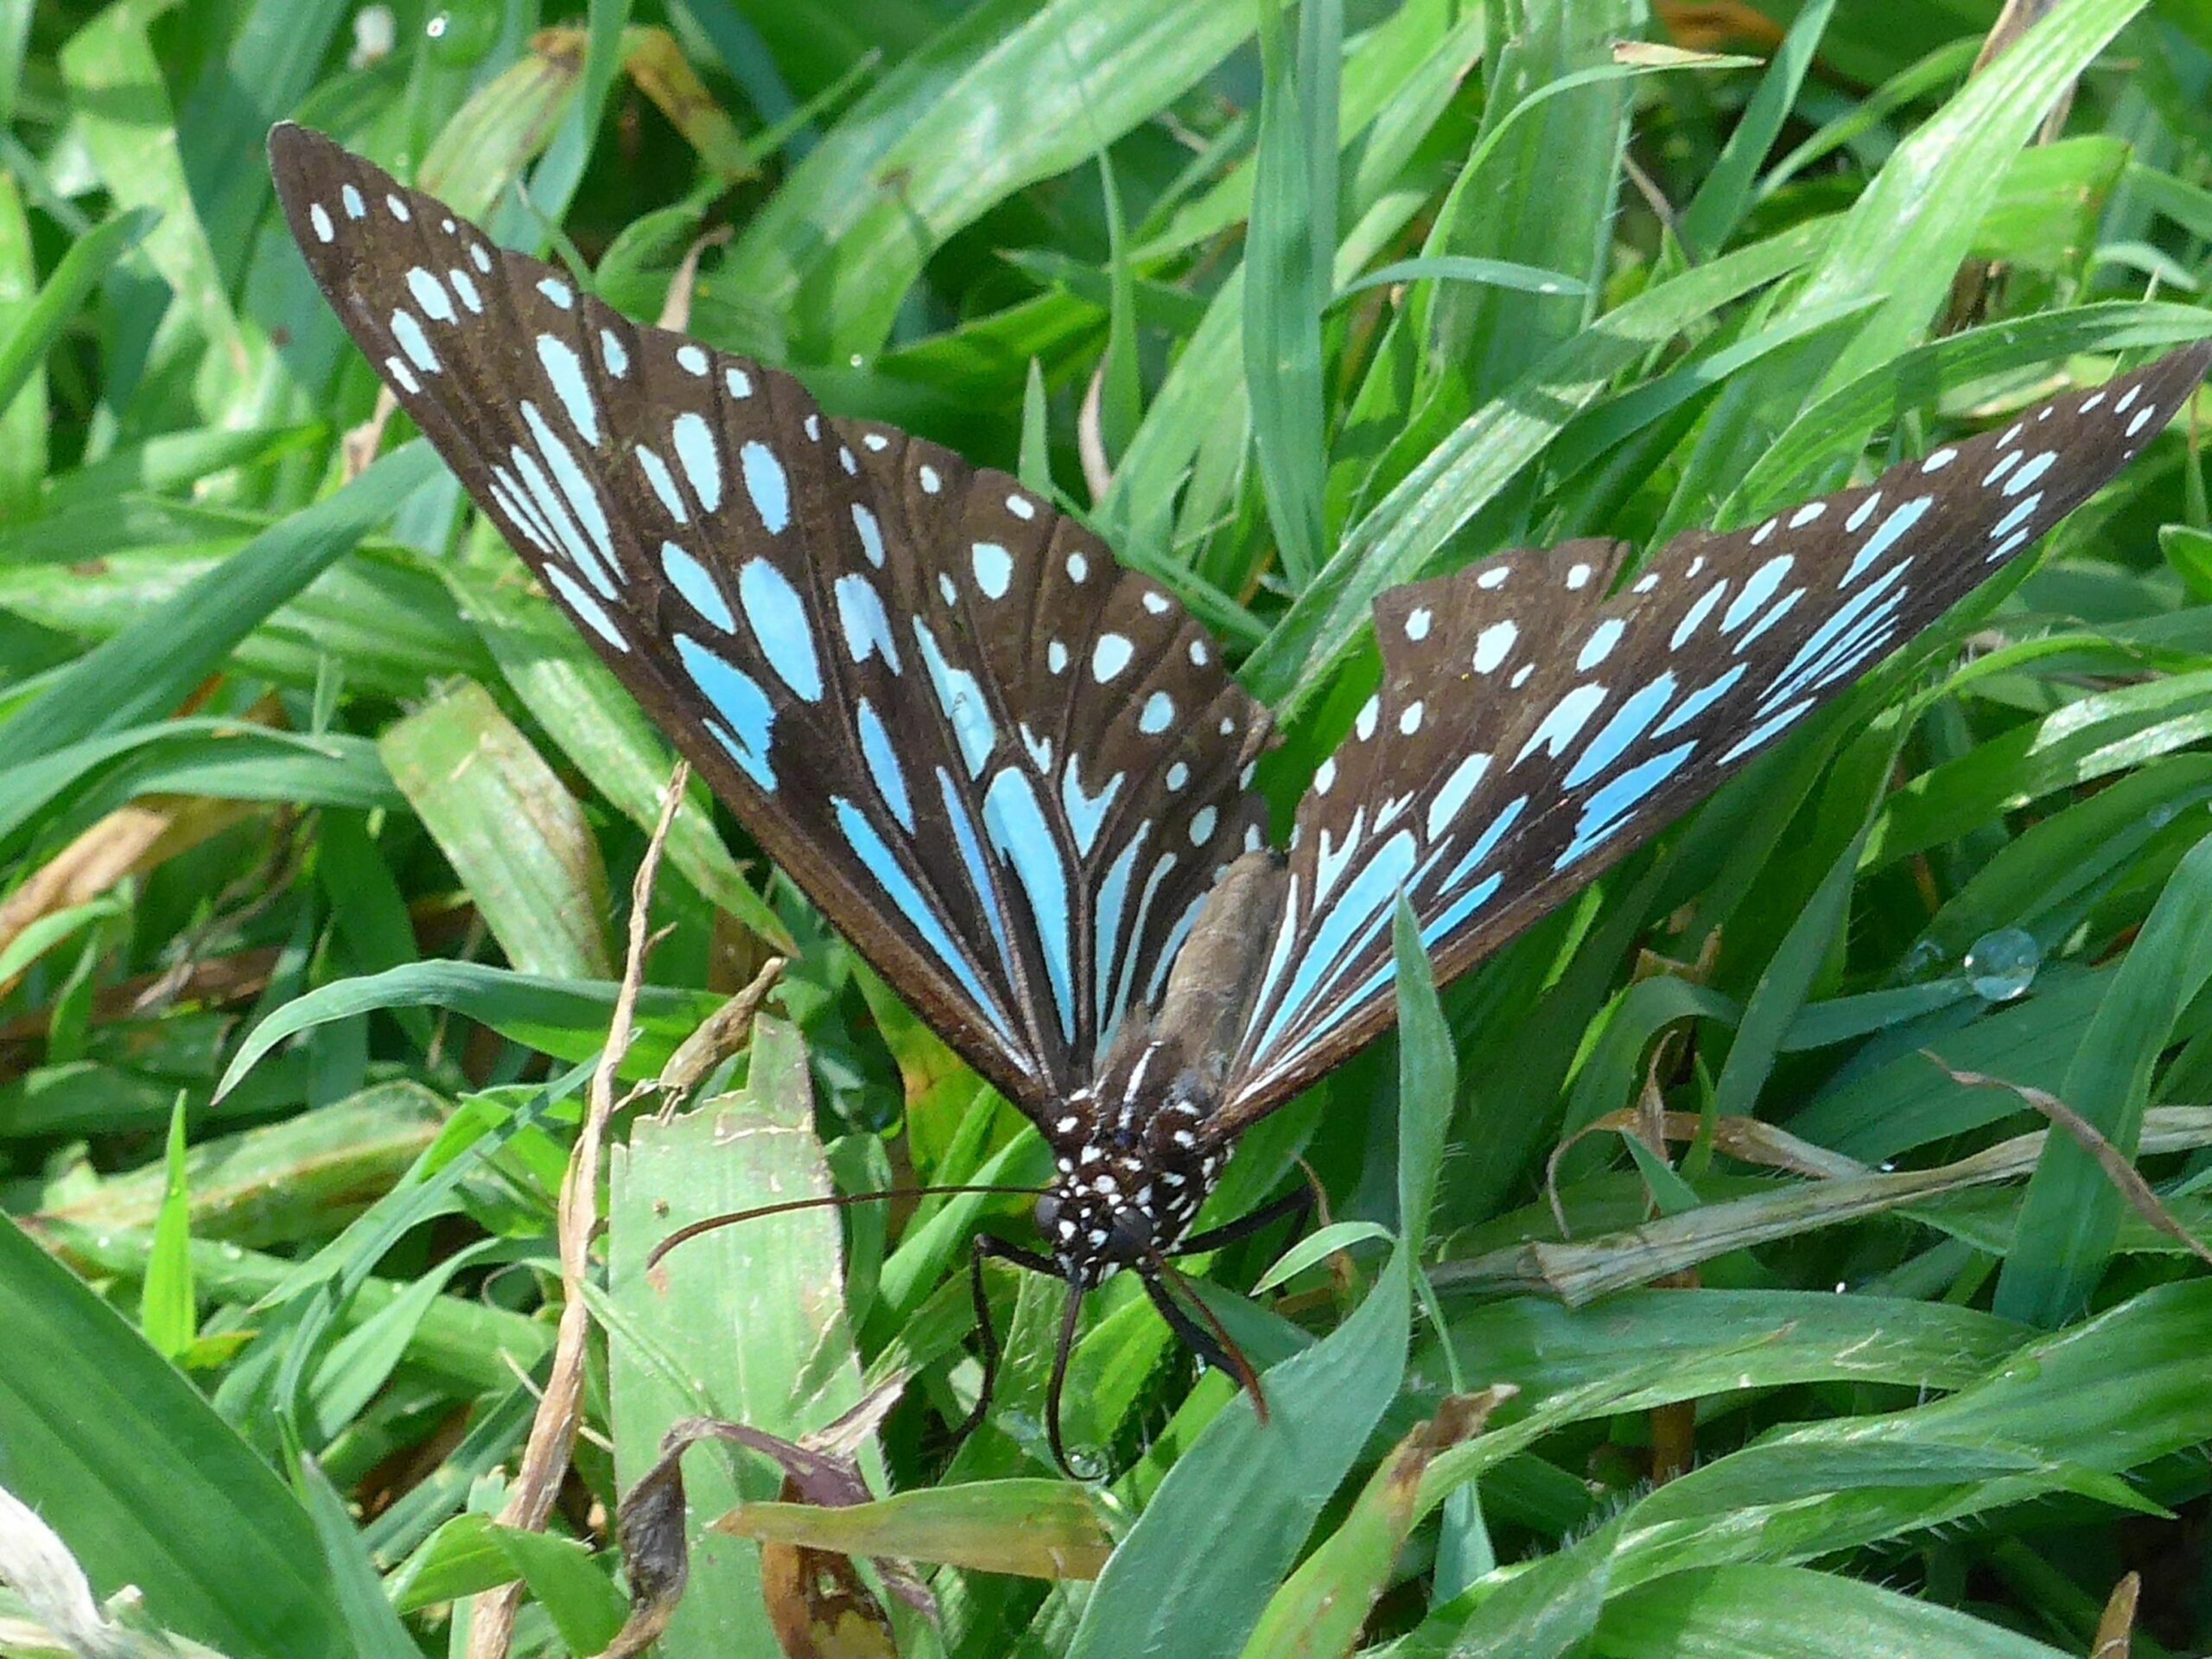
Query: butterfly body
[1136, 1152]
[1017, 776]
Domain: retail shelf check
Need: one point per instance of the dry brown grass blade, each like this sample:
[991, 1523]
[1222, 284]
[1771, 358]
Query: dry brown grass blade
[2116, 1630]
[2124, 1176]
[1970, 289]
[720, 1035]
[1718, 25]
[127, 841]
[676, 309]
[560, 1409]
[657, 68]
[1745, 1138]
[821, 1468]
[360, 445]
[1090, 436]
[1579, 1272]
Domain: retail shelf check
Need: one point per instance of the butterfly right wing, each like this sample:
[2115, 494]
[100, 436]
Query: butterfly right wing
[1530, 730]
[1005, 769]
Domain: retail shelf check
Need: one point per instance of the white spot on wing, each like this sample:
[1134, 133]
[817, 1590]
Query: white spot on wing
[1493, 644]
[993, 569]
[1600, 643]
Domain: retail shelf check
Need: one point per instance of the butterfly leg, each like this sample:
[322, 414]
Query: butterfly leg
[996, 1248]
[1299, 1204]
[1211, 1340]
[1193, 1336]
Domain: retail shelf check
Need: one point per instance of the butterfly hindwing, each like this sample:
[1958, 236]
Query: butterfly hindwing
[1004, 768]
[1529, 730]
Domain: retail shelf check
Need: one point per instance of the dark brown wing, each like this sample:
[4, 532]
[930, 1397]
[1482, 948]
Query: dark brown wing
[1007, 769]
[1529, 730]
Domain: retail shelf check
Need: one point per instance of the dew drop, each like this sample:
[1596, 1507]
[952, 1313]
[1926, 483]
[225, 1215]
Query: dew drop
[1922, 962]
[2001, 965]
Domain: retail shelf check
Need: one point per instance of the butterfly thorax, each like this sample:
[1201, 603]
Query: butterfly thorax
[1136, 1150]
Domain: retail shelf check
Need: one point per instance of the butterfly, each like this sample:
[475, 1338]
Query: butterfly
[1018, 777]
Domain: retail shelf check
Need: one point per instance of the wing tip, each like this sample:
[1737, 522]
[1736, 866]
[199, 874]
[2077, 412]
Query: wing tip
[2179, 373]
[294, 149]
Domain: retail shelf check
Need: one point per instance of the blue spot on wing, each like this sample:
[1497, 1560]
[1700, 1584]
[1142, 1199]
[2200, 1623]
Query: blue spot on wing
[1358, 908]
[883, 765]
[1623, 728]
[738, 700]
[766, 483]
[780, 626]
[566, 371]
[979, 874]
[1112, 904]
[882, 863]
[1015, 821]
[696, 584]
[1607, 809]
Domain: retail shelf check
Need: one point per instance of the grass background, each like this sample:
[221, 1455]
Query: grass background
[302, 786]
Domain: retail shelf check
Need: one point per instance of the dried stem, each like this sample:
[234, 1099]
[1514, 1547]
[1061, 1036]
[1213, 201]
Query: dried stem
[553, 1430]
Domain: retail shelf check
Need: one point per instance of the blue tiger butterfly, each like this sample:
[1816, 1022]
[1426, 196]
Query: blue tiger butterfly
[1017, 777]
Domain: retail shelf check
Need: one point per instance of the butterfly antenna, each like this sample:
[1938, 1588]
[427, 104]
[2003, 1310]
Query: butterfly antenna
[831, 1201]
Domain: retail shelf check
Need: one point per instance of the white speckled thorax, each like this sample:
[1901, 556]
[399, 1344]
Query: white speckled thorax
[1131, 1172]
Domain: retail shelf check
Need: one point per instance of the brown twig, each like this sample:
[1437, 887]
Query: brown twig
[553, 1429]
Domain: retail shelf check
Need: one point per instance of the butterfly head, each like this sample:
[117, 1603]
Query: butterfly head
[1131, 1175]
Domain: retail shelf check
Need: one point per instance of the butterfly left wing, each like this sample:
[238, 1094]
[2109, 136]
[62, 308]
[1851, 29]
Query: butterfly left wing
[1529, 731]
[1005, 768]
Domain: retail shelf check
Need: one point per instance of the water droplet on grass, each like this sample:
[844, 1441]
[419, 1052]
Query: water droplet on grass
[2002, 963]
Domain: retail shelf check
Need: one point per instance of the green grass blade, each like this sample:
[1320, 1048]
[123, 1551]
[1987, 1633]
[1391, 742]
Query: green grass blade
[2072, 1210]
[131, 1466]
[564, 1018]
[1710, 221]
[515, 836]
[36, 328]
[1786, 1612]
[1397, 541]
[372, 1624]
[148, 669]
[1288, 251]
[166, 1313]
[745, 1322]
[952, 129]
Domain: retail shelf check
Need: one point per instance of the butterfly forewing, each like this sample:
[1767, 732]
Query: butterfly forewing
[1529, 731]
[1004, 768]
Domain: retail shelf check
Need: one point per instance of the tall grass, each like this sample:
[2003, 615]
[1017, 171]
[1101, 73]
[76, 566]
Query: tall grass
[319, 825]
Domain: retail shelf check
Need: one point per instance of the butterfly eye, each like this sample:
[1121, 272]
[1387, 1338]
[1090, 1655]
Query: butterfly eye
[1129, 1238]
[1048, 1212]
